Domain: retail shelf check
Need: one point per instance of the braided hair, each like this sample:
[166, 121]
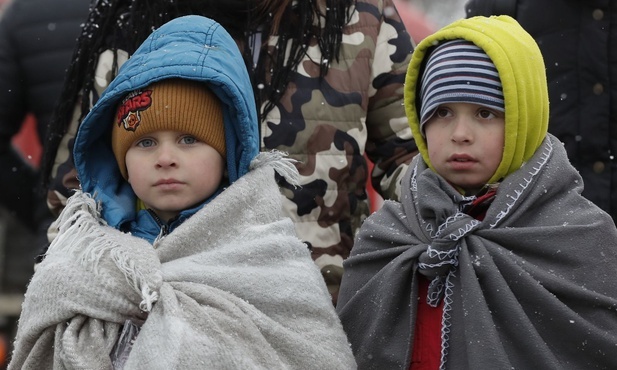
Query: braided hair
[124, 24]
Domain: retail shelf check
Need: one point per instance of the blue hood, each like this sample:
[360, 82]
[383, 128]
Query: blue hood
[190, 47]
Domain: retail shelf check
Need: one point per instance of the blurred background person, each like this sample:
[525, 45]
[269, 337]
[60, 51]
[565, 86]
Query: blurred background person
[579, 45]
[37, 38]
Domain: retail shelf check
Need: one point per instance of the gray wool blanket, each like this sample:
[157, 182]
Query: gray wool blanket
[231, 288]
[532, 286]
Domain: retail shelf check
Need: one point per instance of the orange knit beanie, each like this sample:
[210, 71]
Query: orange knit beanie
[168, 105]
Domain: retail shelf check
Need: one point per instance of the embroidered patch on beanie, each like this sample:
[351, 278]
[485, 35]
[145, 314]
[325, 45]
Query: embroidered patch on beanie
[458, 71]
[168, 105]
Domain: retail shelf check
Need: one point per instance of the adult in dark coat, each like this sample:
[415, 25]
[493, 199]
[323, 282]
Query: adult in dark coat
[578, 39]
[37, 38]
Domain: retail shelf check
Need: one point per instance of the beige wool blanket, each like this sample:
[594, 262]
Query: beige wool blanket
[231, 288]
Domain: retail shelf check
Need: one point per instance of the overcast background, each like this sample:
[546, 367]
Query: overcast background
[441, 12]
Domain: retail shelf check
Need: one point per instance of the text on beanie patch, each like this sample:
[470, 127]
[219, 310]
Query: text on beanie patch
[129, 115]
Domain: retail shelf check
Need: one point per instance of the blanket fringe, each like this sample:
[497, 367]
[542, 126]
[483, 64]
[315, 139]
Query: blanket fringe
[80, 236]
[279, 161]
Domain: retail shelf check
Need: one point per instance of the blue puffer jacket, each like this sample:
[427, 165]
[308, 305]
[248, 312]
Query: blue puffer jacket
[207, 54]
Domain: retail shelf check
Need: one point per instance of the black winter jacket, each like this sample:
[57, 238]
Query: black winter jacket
[37, 38]
[578, 39]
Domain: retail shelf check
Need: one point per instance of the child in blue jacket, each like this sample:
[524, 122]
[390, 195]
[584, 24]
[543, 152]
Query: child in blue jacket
[174, 254]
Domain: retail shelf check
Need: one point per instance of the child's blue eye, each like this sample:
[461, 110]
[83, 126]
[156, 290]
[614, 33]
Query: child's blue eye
[145, 143]
[188, 140]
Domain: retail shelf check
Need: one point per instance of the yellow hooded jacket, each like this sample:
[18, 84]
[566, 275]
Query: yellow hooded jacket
[523, 77]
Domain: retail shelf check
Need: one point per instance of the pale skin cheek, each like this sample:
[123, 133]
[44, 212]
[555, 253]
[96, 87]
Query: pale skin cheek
[433, 153]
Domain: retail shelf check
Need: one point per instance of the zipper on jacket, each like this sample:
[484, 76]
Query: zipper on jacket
[163, 225]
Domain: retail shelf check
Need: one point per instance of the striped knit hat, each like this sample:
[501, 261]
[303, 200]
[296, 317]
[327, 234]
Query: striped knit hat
[458, 71]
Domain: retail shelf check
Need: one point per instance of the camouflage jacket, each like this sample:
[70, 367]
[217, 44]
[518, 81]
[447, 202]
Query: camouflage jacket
[330, 125]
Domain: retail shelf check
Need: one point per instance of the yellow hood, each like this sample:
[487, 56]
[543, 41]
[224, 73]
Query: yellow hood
[523, 77]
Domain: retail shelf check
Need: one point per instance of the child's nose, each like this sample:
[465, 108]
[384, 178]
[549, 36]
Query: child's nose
[166, 156]
[461, 131]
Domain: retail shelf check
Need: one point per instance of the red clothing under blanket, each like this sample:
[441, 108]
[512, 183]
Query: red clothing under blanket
[426, 348]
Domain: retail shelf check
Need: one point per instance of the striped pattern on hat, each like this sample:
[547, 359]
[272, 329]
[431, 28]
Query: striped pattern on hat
[458, 71]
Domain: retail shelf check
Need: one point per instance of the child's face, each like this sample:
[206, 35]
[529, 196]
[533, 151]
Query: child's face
[171, 171]
[465, 143]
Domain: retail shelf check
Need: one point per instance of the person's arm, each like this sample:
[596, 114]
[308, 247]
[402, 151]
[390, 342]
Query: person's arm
[18, 177]
[390, 145]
